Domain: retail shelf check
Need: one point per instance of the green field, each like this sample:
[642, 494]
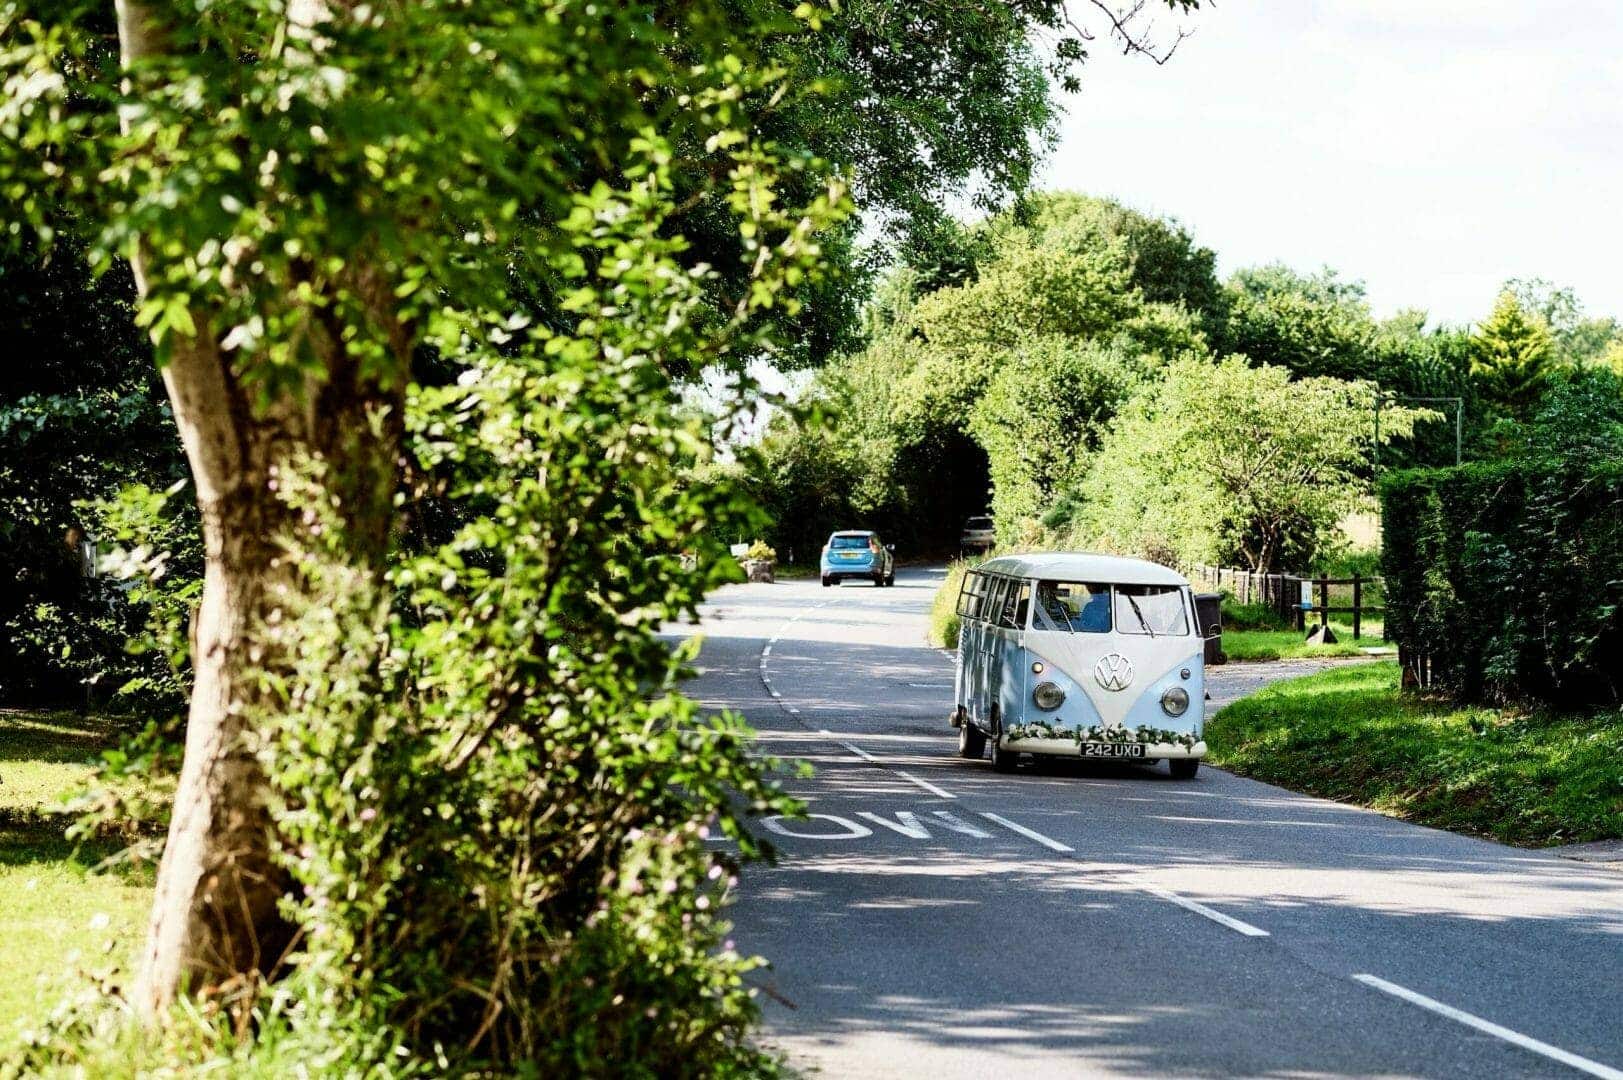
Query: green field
[58, 918]
[1529, 778]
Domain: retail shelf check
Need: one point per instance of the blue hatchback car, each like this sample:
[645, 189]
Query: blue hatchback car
[858, 554]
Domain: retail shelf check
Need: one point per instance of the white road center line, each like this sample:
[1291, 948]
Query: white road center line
[1029, 834]
[904, 774]
[1211, 913]
[1516, 1038]
[926, 785]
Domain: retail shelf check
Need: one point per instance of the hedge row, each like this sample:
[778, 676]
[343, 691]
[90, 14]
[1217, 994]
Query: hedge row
[1505, 580]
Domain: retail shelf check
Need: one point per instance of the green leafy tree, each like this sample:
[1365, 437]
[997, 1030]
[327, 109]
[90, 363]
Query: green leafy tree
[310, 195]
[1512, 355]
[1577, 338]
[1225, 461]
[1311, 325]
[929, 413]
[1612, 358]
[1168, 267]
[1043, 417]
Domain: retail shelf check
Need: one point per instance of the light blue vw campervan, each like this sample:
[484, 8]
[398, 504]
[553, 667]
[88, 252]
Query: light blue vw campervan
[1074, 655]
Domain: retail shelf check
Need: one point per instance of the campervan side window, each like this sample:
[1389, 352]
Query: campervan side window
[1016, 604]
[970, 596]
[1155, 610]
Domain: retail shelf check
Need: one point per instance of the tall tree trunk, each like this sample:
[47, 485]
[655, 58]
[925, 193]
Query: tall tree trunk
[214, 917]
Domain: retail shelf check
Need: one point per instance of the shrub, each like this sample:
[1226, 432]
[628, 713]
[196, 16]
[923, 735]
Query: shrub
[1503, 580]
[944, 607]
[760, 550]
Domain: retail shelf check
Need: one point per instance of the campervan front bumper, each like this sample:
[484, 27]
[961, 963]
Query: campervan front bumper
[1068, 744]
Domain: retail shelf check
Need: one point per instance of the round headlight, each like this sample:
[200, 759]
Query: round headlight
[1175, 702]
[1047, 695]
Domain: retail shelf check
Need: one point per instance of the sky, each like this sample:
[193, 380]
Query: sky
[1430, 148]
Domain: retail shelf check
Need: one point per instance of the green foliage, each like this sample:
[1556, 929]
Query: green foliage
[1226, 461]
[1321, 325]
[943, 630]
[761, 550]
[1577, 339]
[1238, 616]
[1044, 416]
[1317, 325]
[1349, 734]
[489, 795]
[1166, 265]
[80, 414]
[1503, 577]
[1008, 356]
[1512, 354]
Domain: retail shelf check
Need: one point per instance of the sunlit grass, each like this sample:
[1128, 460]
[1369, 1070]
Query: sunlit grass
[1287, 645]
[57, 918]
[1531, 778]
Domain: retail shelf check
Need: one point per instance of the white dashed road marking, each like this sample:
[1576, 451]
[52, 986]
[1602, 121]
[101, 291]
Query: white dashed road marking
[1029, 834]
[1516, 1038]
[1211, 913]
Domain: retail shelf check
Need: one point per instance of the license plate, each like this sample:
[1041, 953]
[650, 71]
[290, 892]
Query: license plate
[850, 556]
[1112, 749]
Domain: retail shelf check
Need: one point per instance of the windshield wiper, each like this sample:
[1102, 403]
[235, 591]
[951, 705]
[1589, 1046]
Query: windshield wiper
[1140, 615]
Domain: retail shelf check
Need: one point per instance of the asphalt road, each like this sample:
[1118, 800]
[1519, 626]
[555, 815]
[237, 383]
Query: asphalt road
[935, 919]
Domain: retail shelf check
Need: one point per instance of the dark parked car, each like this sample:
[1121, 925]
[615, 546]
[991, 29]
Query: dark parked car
[977, 536]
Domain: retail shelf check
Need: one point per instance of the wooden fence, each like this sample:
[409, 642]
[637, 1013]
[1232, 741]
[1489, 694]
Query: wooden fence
[1297, 597]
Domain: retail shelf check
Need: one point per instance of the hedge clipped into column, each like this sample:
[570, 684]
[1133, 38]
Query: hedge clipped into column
[1505, 580]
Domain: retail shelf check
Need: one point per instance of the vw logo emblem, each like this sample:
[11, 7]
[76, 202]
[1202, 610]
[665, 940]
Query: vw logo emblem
[1114, 671]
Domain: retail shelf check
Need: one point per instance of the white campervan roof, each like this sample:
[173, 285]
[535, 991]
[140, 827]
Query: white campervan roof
[1083, 566]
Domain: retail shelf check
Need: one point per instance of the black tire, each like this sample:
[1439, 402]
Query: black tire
[971, 741]
[827, 581]
[1183, 768]
[879, 581]
[1003, 761]
[890, 579]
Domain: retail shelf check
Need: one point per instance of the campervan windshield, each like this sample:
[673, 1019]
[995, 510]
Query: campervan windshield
[1074, 607]
[1156, 610]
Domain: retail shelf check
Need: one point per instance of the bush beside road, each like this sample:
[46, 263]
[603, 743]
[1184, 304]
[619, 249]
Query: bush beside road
[1528, 778]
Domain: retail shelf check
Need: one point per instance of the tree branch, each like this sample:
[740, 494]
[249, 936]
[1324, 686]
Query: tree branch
[1132, 39]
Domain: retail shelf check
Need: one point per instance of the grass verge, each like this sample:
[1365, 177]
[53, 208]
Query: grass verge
[943, 627]
[1532, 779]
[57, 918]
[1241, 645]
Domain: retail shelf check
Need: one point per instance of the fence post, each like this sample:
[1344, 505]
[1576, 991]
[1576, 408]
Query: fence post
[1358, 605]
[1324, 602]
